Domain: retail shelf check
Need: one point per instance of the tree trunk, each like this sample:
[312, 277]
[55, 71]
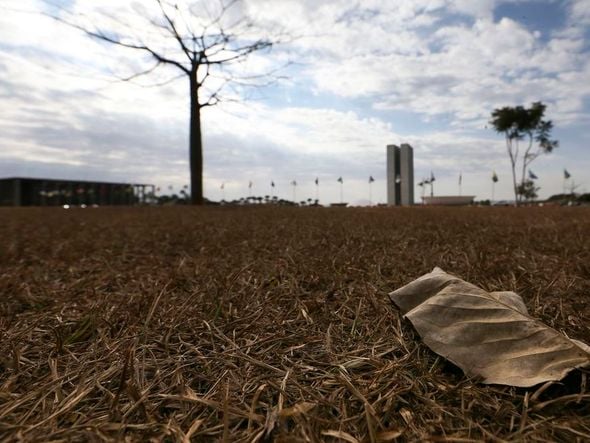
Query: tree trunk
[515, 185]
[196, 142]
[513, 164]
[524, 160]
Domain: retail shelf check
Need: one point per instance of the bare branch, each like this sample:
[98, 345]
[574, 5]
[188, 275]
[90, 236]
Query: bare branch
[213, 99]
[207, 74]
[102, 36]
[269, 74]
[139, 74]
[240, 53]
[223, 10]
[174, 32]
[165, 82]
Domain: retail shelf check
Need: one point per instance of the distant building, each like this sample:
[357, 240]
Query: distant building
[449, 200]
[19, 191]
[400, 175]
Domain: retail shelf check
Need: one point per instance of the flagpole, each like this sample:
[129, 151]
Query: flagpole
[371, 180]
[493, 190]
[341, 192]
[431, 184]
[317, 190]
[460, 181]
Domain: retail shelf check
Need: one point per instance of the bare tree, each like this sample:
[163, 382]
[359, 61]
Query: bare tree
[206, 46]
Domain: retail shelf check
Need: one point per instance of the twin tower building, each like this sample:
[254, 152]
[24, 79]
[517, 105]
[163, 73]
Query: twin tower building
[400, 175]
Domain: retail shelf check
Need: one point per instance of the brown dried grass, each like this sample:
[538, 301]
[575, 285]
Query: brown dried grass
[271, 324]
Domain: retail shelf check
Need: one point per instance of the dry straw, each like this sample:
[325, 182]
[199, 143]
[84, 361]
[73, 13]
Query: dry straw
[217, 324]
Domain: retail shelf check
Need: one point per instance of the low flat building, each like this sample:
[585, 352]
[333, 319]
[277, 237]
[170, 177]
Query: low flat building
[21, 191]
[449, 200]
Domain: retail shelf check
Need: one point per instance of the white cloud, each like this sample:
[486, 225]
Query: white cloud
[469, 71]
[431, 58]
[481, 9]
[580, 12]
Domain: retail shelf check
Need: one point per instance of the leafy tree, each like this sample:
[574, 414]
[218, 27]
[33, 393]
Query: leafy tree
[201, 41]
[526, 125]
[527, 190]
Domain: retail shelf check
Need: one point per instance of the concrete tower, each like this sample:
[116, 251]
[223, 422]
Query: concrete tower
[400, 175]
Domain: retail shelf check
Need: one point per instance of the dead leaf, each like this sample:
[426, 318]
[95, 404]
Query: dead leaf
[488, 335]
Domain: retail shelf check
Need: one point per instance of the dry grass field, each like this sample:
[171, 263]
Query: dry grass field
[272, 324]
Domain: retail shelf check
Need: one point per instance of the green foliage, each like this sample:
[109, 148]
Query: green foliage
[559, 197]
[527, 190]
[519, 122]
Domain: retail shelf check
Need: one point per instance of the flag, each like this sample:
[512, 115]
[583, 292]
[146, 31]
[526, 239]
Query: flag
[340, 180]
[250, 185]
[431, 177]
[460, 178]
[495, 177]
[566, 174]
[294, 183]
[317, 181]
[421, 183]
[272, 184]
[532, 175]
[371, 179]
[222, 185]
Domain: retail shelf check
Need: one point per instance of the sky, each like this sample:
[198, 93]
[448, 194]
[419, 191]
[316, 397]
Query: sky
[353, 77]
